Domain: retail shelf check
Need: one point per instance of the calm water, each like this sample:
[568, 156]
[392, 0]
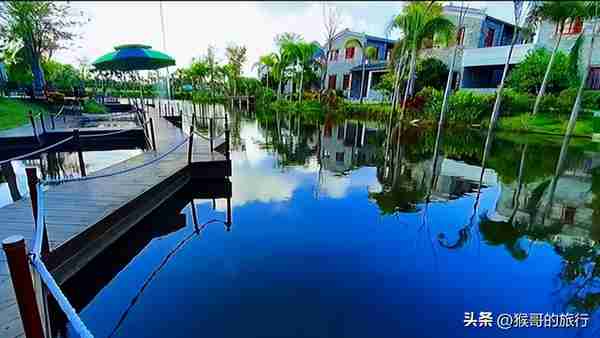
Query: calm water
[331, 239]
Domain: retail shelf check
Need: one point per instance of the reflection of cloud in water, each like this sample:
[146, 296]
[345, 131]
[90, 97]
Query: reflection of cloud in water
[338, 186]
[256, 178]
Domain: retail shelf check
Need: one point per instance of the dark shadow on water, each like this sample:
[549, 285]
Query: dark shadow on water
[167, 219]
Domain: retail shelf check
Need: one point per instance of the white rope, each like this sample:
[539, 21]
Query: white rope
[88, 178]
[106, 134]
[36, 151]
[60, 298]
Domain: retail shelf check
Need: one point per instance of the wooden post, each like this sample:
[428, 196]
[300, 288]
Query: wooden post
[228, 222]
[32, 181]
[152, 134]
[16, 256]
[210, 133]
[42, 123]
[159, 108]
[227, 154]
[190, 144]
[77, 143]
[32, 120]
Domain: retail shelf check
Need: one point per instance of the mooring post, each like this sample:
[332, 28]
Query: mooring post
[32, 120]
[227, 154]
[77, 143]
[228, 223]
[16, 256]
[210, 133]
[32, 181]
[190, 144]
[152, 134]
[42, 122]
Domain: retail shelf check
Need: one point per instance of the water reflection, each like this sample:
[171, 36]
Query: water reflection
[344, 228]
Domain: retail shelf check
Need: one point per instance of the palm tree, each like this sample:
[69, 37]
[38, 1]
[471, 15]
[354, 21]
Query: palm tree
[266, 63]
[593, 10]
[557, 12]
[302, 55]
[420, 22]
[518, 10]
[368, 53]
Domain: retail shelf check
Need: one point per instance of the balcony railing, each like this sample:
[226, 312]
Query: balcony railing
[491, 56]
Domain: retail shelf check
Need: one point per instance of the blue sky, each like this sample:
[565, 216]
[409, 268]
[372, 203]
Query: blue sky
[192, 26]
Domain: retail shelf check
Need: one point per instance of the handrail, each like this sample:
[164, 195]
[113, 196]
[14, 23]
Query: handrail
[35, 255]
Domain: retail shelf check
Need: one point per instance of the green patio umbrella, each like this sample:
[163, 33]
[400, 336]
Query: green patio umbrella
[133, 57]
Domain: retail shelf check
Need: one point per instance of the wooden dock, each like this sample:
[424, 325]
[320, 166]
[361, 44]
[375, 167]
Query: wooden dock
[84, 218]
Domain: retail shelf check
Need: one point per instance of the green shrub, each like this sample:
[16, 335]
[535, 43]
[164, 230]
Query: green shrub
[528, 75]
[515, 103]
[464, 106]
[92, 107]
[431, 72]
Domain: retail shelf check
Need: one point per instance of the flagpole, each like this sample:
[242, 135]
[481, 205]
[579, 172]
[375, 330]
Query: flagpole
[164, 47]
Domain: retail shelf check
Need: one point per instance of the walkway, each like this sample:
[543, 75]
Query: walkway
[83, 218]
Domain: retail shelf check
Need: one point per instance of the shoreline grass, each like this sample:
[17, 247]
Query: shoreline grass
[13, 112]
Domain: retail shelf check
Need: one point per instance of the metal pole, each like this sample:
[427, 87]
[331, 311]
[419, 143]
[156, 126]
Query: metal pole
[79, 152]
[52, 121]
[228, 223]
[152, 133]
[16, 256]
[227, 154]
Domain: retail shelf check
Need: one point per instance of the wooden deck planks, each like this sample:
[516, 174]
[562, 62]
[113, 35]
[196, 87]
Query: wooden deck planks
[72, 208]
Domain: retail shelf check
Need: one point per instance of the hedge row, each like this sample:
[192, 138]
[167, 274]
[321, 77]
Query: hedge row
[468, 106]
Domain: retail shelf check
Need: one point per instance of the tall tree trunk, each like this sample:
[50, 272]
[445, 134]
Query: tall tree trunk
[441, 119]
[542, 90]
[577, 103]
[362, 80]
[411, 76]
[300, 90]
[39, 82]
[519, 184]
[496, 109]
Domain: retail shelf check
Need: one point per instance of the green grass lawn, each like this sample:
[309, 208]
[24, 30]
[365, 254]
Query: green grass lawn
[545, 124]
[13, 112]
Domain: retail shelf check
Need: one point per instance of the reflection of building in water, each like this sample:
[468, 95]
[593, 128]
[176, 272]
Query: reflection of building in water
[454, 178]
[569, 211]
[348, 145]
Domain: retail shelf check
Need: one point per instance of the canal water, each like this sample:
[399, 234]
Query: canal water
[329, 237]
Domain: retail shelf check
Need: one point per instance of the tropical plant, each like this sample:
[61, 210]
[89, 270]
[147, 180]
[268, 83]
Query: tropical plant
[528, 75]
[431, 72]
[419, 23]
[40, 27]
[368, 53]
[236, 56]
[593, 10]
[557, 12]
